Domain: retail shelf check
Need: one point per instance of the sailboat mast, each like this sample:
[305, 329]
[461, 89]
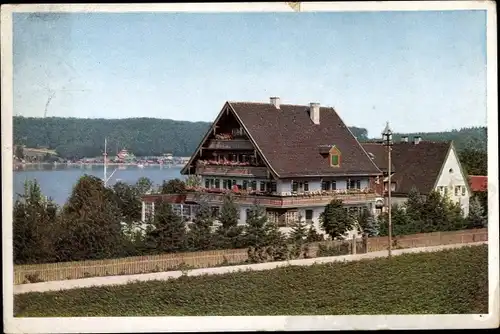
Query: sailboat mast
[105, 161]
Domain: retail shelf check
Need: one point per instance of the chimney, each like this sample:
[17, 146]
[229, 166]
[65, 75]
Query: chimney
[314, 112]
[416, 140]
[404, 139]
[275, 101]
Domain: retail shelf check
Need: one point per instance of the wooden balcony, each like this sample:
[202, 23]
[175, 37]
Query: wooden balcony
[233, 144]
[274, 201]
[238, 171]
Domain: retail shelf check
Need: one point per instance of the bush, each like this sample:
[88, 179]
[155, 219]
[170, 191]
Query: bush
[447, 282]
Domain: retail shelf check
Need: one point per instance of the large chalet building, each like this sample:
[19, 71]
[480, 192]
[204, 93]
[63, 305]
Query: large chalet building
[291, 160]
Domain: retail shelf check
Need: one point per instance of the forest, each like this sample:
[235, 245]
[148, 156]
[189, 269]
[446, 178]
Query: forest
[75, 138]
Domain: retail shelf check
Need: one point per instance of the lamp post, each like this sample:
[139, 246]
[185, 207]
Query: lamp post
[387, 137]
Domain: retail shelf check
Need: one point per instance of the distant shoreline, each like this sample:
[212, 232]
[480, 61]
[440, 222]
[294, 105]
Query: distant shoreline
[20, 165]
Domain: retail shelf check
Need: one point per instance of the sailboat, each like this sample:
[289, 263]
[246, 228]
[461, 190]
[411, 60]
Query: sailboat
[106, 178]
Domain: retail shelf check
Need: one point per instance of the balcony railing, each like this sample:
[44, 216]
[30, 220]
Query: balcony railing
[235, 144]
[277, 201]
[240, 171]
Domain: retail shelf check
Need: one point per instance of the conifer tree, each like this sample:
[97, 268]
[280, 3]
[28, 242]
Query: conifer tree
[229, 233]
[168, 233]
[200, 235]
[477, 217]
[34, 226]
[90, 223]
[335, 220]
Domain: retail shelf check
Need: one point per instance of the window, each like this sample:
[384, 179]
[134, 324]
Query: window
[207, 183]
[463, 190]
[273, 187]
[295, 186]
[306, 186]
[446, 190]
[262, 186]
[334, 185]
[217, 183]
[245, 185]
[254, 185]
[325, 185]
[457, 190]
[309, 216]
[441, 189]
[224, 184]
[334, 160]
[353, 184]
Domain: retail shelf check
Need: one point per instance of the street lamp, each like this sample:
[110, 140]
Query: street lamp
[387, 137]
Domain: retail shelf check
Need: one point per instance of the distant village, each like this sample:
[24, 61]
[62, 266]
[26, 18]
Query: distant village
[28, 156]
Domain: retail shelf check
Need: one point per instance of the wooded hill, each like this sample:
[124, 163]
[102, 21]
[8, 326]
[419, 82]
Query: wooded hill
[79, 137]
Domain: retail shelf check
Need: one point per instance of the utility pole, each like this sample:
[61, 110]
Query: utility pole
[387, 136]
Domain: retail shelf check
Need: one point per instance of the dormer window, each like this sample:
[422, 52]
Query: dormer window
[334, 157]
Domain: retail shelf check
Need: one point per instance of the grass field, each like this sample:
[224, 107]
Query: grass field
[451, 281]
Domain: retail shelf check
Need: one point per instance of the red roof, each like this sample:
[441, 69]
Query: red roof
[478, 183]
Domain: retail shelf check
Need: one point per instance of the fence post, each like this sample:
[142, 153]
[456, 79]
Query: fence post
[353, 244]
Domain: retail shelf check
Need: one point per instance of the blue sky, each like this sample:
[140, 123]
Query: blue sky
[422, 71]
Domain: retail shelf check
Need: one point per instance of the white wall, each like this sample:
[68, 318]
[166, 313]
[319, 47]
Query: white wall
[453, 179]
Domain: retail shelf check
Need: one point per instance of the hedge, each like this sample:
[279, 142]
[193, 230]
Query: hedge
[445, 282]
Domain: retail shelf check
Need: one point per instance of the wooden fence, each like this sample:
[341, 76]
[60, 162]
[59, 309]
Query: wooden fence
[178, 261]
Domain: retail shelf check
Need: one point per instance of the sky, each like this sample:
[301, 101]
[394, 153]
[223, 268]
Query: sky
[421, 71]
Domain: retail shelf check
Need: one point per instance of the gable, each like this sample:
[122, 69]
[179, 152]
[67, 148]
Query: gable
[451, 173]
[225, 122]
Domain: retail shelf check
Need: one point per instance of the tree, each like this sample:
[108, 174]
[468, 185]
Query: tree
[19, 153]
[474, 161]
[33, 226]
[175, 186]
[255, 228]
[298, 234]
[168, 233]
[477, 218]
[335, 220]
[229, 234]
[200, 235]
[128, 202]
[368, 223]
[313, 235]
[276, 244]
[414, 206]
[143, 186]
[90, 223]
[229, 212]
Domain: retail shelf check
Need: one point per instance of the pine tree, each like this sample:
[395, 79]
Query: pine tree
[414, 206]
[128, 201]
[34, 225]
[169, 231]
[275, 243]
[298, 234]
[255, 234]
[335, 220]
[200, 235]
[90, 223]
[477, 217]
[368, 223]
[313, 235]
[143, 186]
[255, 228]
[229, 233]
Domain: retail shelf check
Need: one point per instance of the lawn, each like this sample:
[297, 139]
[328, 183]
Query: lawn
[451, 281]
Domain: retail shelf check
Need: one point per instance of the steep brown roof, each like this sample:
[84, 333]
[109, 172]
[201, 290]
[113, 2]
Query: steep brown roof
[416, 165]
[289, 140]
[378, 153]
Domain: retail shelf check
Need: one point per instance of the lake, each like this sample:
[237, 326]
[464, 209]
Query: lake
[57, 181]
